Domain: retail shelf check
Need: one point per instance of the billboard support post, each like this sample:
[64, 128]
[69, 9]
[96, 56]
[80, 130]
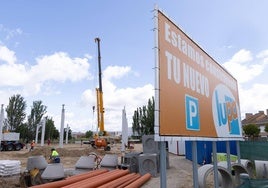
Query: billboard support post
[163, 165]
[194, 158]
[228, 155]
[215, 164]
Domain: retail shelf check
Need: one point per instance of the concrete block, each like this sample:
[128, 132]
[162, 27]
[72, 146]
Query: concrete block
[53, 171]
[148, 164]
[86, 162]
[38, 162]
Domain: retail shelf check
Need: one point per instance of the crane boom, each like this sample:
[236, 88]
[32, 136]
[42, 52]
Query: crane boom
[100, 109]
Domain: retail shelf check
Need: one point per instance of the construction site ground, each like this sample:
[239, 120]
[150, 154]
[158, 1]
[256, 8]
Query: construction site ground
[179, 175]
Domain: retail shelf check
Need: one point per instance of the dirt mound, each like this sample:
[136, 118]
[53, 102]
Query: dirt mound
[65, 152]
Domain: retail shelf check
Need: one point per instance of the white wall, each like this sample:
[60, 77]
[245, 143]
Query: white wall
[176, 147]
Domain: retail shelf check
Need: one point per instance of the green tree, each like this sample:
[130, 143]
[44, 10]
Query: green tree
[148, 119]
[37, 112]
[15, 112]
[24, 131]
[251, 130]
[136, 127]
[69, 134]
[51, 132]
[143, 119]
[89, 134]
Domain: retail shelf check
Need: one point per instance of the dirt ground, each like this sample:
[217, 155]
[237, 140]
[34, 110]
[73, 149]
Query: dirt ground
[179, 175]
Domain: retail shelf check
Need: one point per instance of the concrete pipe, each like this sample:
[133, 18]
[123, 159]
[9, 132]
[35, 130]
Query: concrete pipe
[249, 166]
[261, 169]
[123, 185]
[38, 162]
[225, 178]
[139, 182]
[223, 164]
[237, 169]
[117, 182]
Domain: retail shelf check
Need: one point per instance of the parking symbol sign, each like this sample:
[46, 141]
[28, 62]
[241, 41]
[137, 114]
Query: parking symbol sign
[192, 113]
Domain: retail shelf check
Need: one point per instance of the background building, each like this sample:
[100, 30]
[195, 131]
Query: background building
[260, 119]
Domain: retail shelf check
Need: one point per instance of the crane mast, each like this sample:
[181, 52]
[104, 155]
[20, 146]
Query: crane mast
[100, 109]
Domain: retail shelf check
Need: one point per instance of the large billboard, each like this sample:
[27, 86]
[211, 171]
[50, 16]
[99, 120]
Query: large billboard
[195, 96]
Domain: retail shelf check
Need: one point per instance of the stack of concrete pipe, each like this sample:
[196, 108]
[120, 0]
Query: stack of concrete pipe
[226, 178]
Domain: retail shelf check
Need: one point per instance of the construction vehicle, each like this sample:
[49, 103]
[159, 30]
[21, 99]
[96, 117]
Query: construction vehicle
[99, 140]
[10, 141]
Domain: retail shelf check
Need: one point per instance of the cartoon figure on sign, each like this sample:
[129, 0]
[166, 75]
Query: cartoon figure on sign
[225, 112]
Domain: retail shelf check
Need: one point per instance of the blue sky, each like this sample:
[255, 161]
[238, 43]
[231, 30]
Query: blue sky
[48, 53]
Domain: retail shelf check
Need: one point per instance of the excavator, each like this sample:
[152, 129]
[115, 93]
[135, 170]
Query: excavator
[99, 140]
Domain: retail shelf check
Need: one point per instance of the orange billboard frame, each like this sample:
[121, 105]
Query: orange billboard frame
[195, 96]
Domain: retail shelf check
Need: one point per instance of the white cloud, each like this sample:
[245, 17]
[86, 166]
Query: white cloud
[88, 98]
[253, 99]
[10, 33]
[7, 55]
[14, 75]
[242, 56]
[115, 72]
[242, 68]
[264, 56]
[88, 56]
[115, 99]
[131, 98]
[60, 67]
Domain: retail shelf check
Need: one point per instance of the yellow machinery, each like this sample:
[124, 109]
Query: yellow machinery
[100, 109]
[100, 142]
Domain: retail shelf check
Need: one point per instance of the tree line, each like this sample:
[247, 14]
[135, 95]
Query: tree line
[18, 121]
[143, 119]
